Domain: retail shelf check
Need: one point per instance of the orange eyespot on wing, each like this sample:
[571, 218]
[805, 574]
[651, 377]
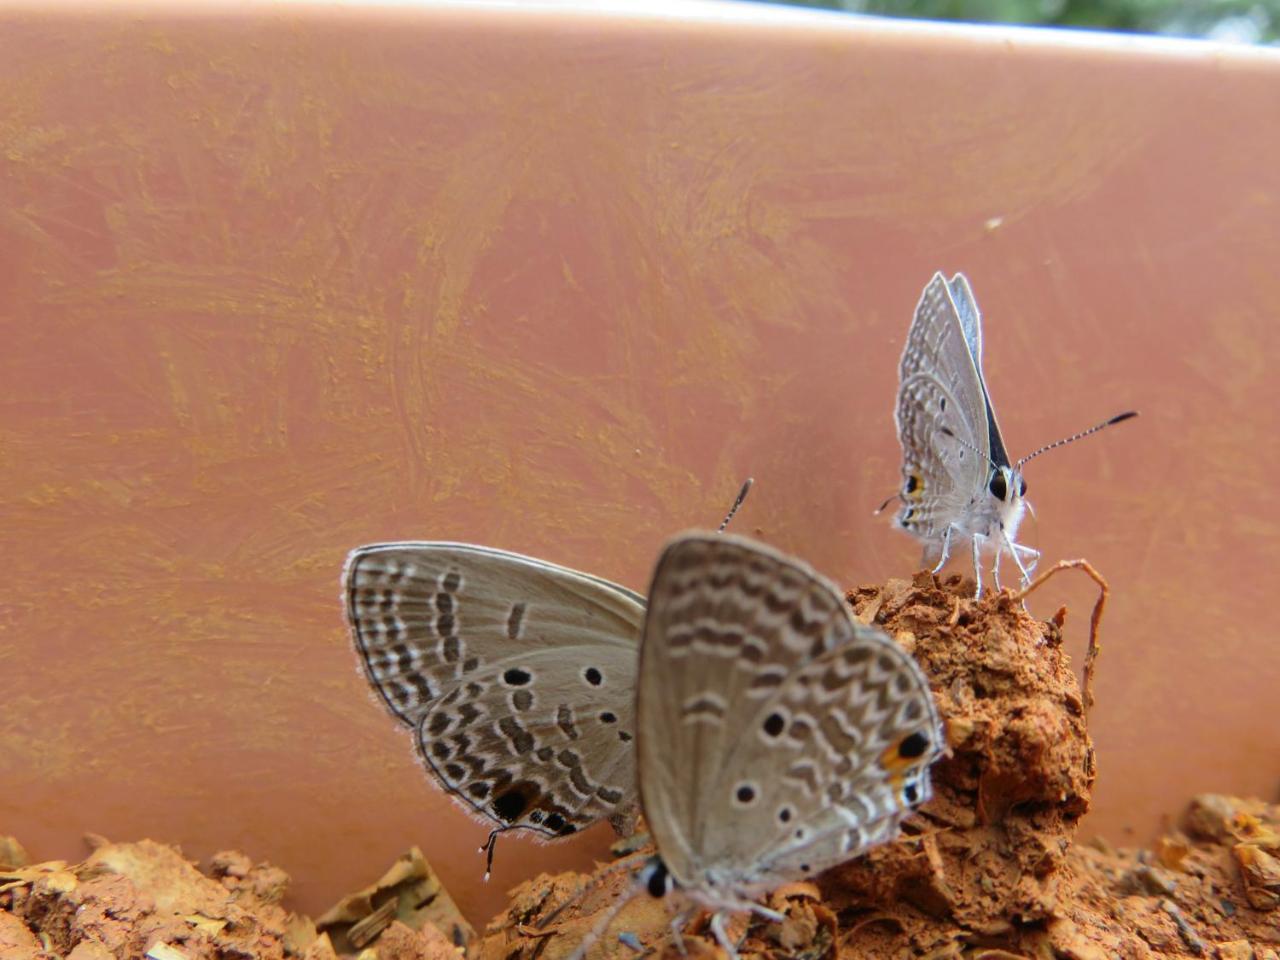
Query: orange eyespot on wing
[905, 754]
[901, 761]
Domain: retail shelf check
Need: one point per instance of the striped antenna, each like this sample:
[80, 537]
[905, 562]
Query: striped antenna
[1118, 418]
[742, 495]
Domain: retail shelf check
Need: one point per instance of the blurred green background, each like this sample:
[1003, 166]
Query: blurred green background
[1238, 21]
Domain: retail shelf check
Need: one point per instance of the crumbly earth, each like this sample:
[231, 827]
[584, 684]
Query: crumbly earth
[145, 900]
[986, 870]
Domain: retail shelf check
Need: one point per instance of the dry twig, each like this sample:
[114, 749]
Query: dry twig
[1091, 655]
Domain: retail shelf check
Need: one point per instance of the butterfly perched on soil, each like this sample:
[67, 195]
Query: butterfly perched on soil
[516, 675]
[958, 482]
[777, 735]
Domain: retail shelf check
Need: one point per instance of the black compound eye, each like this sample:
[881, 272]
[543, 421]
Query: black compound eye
[1022, 487]
[997, 486]
[659, 883]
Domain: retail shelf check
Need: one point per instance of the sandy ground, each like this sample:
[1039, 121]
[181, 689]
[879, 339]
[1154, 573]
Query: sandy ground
[987, 869]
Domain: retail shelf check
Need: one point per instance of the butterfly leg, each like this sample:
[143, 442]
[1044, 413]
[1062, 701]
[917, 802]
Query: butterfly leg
[1031, 555]
[995, 562]
[722, 935]
[1018, 551]
[977, 567]
[946, 550]
[677, 929]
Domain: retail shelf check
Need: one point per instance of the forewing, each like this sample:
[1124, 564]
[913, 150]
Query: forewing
[425, 615]
[762, 706]
[970, 319]
[971, 322]
[941, 412]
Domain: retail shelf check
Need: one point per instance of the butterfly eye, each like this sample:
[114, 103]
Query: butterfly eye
[1022, 487]
[658, 883]
[998, 488]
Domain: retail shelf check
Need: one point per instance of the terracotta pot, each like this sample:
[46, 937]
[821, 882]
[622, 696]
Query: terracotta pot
[282, 281]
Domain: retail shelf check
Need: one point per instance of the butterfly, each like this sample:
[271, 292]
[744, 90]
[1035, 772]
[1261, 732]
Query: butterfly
[516, 675]
[776, 735]
[958, 481]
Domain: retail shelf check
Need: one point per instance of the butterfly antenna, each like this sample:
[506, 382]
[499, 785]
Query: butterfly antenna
[624, 864]
[946, 432]
[1118, 418]
[488, 848]
[880, 509]
[598, 931]
[742, 495]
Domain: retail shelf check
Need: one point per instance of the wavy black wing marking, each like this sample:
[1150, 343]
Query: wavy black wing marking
[542, 740]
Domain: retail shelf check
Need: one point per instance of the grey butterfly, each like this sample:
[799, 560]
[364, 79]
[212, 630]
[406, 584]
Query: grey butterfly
[516, 675]
[776, 735]
[958, 482]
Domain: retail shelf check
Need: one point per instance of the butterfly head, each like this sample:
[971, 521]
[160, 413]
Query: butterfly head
[1008, 490]
[656, 878]
[1007, 485]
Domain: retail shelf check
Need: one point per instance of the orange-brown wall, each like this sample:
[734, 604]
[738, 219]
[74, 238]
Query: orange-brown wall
[280, 282]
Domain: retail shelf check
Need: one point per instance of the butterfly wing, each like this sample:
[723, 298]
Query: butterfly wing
[942, 411]
[970, 319]
[868, 701]
[541, 740]
[771, 725]
[483, 653]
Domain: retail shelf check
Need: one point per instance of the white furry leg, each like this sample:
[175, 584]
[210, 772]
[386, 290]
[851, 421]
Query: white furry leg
[722, 935]
[946, 551]
[677, 930]
[977, 568]
[1018, 551]
[1029, 554]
